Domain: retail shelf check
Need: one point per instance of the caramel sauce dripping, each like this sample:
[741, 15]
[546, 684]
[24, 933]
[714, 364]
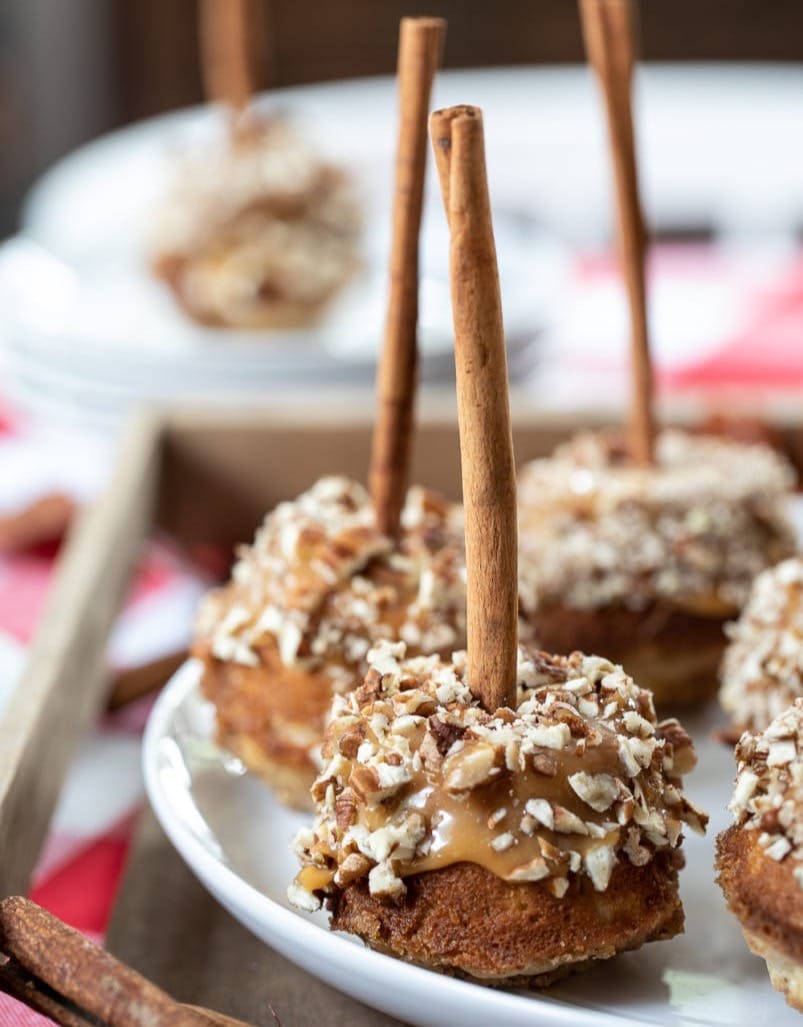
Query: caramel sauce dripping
[314, 878]
[460, 824]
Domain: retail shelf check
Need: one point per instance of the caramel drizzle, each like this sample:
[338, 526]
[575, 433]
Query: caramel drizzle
[459, 822]
[461, 826]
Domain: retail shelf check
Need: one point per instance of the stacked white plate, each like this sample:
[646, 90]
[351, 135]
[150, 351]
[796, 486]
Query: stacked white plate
[87, 328]
[87, 331]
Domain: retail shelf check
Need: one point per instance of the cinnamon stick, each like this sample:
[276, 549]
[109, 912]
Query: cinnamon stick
[226, 52]
[44, 520]
[14, 981]
[608, 30]
[486, 444]
[52, 968]
[135, 682]
[420, 47]
[25, 988]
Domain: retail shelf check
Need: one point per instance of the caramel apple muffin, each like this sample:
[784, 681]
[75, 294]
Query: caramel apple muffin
[647, 564]
[510, 847]
[319, 586]
[258, 232]
[760, 857]
[762, 670]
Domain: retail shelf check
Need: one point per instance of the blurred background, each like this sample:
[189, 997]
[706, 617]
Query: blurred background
[69, 72]
[99, 99]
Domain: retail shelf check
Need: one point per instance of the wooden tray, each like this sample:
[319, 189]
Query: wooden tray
[205, 477]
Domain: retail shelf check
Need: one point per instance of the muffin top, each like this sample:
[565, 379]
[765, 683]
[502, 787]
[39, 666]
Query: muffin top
[257, 230]
[762, 670]
[320, 581]
[270, 168]
[768, 795]
[418, 776]
[694, 529]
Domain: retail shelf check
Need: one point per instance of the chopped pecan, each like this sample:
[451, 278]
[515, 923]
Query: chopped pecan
[469, 767]
[369, 689]
[355, 865]
[364, 782]
[429, 752]
[678, 745]
[769, 822]
[346, 809]
[505, 714]
[408, 683]
[445, 735]
[350, 741]
[547, 665]
[576, 724]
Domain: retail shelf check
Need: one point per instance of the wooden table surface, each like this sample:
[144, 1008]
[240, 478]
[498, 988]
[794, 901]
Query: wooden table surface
[169, 928]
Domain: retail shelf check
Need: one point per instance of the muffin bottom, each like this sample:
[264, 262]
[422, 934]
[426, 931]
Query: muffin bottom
[465, 921]
[673, 652]
[768, 902]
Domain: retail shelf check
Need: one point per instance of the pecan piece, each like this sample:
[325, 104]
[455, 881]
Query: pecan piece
[370, 688]
[346, 809]
[353, 866]
[364, 782]
[445, 735]
[351, 740]
[472, 766]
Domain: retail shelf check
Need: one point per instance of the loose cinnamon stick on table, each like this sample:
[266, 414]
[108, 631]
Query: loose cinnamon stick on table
[38, 997]
[486, 444]
[53, 969]
[227, 53]
[608, 29]
[420, 48]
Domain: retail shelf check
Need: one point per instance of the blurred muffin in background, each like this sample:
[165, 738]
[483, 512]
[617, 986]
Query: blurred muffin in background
[647, 564]
[258, 233]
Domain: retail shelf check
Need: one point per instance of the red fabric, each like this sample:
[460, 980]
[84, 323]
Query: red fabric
[767, 353]
[24, 582]
[82, 891]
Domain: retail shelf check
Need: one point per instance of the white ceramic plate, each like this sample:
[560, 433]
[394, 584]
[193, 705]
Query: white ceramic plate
[236, 839]
[106, 320]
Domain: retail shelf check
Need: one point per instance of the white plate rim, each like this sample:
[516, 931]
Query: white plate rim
[336, 954]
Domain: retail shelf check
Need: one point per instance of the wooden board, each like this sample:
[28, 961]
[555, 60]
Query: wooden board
[63, 684]
[223, 470]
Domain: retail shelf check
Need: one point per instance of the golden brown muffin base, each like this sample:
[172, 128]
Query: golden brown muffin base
[674, 653]
[262, 711]
[768, 902]
[290, 784]
[465, 921]
[786, 975]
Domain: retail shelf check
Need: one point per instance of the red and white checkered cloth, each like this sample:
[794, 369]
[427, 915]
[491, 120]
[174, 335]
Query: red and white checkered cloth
[725, 320]
[80, 866]
[722, 319]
